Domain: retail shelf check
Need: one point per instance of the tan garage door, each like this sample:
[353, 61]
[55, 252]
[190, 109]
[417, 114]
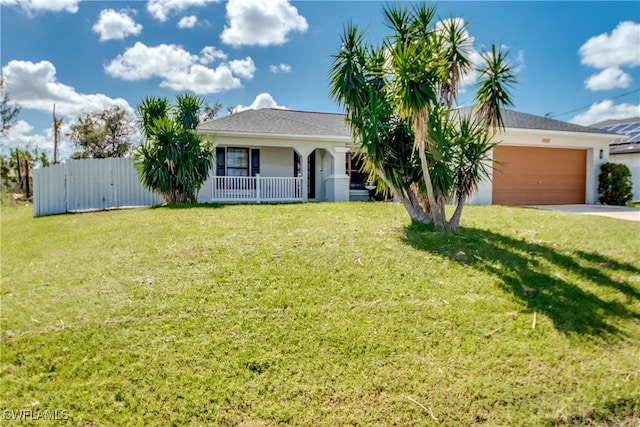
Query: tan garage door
[539, 176]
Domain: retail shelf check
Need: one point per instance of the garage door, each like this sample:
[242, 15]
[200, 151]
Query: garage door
[539, 176]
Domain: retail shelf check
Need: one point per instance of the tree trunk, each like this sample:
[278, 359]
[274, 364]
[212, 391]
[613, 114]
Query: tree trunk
[415, 205]
[56, 136]
[454, 222]
[419, 126]
[19, 169]
[26, 181]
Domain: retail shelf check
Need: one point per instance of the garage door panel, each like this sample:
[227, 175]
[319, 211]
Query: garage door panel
[537, 176]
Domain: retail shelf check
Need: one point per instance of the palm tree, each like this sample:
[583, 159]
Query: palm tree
[150, 109]
[399, 100]
[188, 110]
[472, 145]
[413, 50]
[384, 138]
[173, 161]
[497, 77]
[456, 46]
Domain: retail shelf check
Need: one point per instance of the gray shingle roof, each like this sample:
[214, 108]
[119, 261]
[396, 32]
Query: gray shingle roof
[290, 122]
[514, 119]
[280, 122]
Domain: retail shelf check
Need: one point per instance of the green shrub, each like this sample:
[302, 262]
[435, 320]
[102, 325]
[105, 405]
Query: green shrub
[173, 161]
[614, 184]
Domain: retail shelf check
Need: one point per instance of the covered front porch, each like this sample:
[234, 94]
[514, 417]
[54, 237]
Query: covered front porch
[280, 155]
[251, 171]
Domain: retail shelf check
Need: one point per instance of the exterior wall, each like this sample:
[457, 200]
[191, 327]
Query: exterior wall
[632, 161]
[276, 162]
[596, 145]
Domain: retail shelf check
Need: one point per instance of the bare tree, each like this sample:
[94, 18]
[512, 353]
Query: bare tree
[57, 124]
[8, 110]
[210, 112]
[104, 134]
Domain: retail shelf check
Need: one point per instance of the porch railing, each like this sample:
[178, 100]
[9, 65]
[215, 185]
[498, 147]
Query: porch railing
[254, 189]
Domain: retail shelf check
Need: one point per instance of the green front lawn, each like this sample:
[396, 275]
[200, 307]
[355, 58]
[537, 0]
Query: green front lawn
[319, 314]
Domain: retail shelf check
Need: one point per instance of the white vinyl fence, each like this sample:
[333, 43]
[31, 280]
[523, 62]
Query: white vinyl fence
[99, 184]
[89, 184]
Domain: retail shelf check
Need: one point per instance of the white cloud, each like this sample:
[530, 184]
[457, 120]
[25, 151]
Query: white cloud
[243, 67]
[114, 25]
[609, 78]
[34, 85]
[610, 52]
[620, 48]
[161, 9]
[263, 100]
[30, 6]
[179, 69]
[261, 22]
[209, 54]
[21, 135]
[606, 110]
[188, 21]
[280, 68]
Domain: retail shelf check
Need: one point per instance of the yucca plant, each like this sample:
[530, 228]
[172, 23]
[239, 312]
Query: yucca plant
[400, 102]
[173, 161]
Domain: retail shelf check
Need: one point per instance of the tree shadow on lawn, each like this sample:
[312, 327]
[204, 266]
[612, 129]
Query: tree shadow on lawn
[543, 277]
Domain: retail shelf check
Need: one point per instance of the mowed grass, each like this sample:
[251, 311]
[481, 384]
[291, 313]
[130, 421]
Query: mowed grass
[320, 314]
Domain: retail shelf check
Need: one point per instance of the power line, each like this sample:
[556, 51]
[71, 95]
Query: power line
[584, 108]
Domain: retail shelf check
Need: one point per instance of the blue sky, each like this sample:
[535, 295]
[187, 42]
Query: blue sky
[578, 61]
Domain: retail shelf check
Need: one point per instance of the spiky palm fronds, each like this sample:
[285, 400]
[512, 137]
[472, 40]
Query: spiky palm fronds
[497, 77]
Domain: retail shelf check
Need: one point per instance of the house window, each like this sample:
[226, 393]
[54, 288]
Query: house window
[237, 162]
[357, 178]
[234, 161]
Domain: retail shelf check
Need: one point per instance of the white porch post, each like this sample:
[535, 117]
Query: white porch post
[338, 182]
[304, 169]
[257, 188]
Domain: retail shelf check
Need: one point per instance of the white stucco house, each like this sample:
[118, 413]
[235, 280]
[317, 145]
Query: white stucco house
[279, 155]
[287, 155]
[625, 151]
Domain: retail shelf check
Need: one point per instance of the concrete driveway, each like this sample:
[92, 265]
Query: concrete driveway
[619, 212]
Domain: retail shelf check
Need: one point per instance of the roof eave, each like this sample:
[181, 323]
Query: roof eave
[289, 137]
[564, 132]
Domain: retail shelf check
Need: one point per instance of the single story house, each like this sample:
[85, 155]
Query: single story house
[625, 151]
[275, 154]
[296, 155]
